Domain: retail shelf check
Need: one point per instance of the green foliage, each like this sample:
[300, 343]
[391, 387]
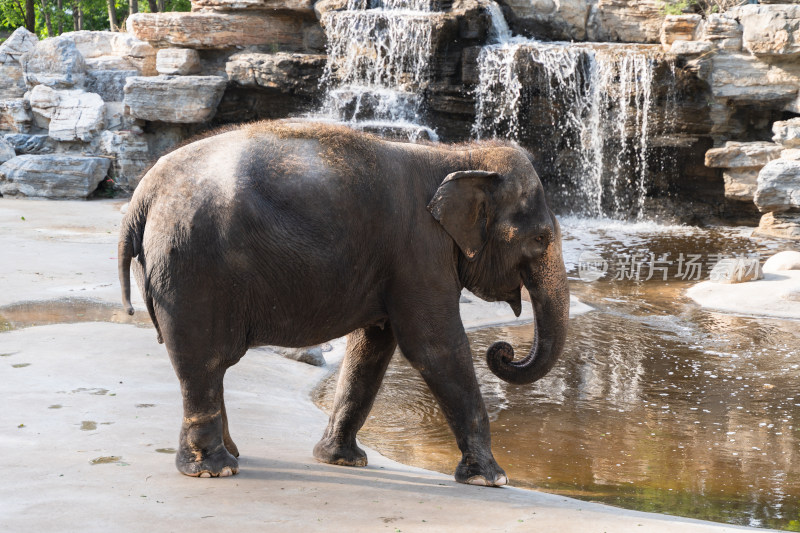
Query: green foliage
[95, 14]
[704, 7]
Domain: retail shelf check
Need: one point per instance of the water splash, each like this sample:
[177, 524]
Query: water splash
[589, 104]
[379, 65]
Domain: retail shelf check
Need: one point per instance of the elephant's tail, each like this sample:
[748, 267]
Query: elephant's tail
[130, 245]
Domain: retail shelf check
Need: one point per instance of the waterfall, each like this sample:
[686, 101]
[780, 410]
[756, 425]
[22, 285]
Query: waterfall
[378, 65]
[587, 106]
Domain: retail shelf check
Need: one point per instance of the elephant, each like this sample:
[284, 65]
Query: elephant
[293, 233]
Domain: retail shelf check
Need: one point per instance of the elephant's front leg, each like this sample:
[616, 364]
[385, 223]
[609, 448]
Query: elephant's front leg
[439, 349]
[368, 354]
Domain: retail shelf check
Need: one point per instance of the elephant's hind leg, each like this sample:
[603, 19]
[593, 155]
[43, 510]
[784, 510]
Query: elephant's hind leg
[226, 434]
[368, 354]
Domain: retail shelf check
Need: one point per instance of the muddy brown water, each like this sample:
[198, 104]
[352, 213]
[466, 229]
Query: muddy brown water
[656, 404]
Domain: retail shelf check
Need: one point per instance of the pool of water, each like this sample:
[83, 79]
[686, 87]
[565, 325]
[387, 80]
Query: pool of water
[656, 404]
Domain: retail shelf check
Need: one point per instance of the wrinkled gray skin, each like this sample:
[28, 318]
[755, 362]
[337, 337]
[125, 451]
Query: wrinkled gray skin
[295, 234]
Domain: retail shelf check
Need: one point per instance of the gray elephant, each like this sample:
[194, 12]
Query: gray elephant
[295, 233]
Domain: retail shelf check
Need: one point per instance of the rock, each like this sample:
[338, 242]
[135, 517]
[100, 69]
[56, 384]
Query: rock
[254, 5]
[116, 119]
[741, 184]
[736, 270]
[565, 19]
[52, 176]
[214, 30]
[131, 156]
[626, 21]
[6, 151]
[745, 79]
[770, 29]
[73, 114]
[20, 42]
[791, 153]
[778, 186]
[105, 50]
[723, 31]
[743, 155]
[182, 99]
[143, 57]
[178, 61]
[690, 48]
[787, 132]
[109, 84]
[784, 225]
[55, 62]
[786, 260]
[12, 82]
[15, 115]
[290, 73]
[25, 143]
[679, 28]
[311, 355]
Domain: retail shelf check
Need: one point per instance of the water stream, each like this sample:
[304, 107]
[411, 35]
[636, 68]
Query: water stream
[378, 65]
[587, 106]
[656, 404]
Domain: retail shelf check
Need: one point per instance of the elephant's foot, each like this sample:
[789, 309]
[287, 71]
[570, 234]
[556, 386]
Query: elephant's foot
[336, 453]
[220, 463]
[484, 472]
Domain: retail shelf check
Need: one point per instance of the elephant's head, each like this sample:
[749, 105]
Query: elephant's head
[508, 237]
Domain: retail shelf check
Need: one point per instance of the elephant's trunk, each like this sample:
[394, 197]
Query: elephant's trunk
[547, 285]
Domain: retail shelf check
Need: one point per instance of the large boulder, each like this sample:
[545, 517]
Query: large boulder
[782, 261]
[106, 50]
[679, 28]
[211, 30]
[785, 225]
[253, 5]
[771, 30]
[743, 155]
[12, 82]
[787, 132]
[289, 73]
[627, 22]
[55, 62]
[70, 114]
[178, 61]
[181, 99]
[745, 79]
[778, 186]
[15, 115]
[26, 143]
[109, 84]
[52, 176]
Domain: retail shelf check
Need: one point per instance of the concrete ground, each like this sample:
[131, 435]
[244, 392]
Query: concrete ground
[91, 412]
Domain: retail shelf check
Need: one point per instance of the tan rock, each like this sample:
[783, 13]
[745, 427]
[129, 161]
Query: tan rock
[253, 5]
[214, 30]
[770, 29]
[679, 28]
[178, 61]
[690, 48]
[741, 184]
[787, 132]
[179, 99]
[131, 156]
[626, 21]
[744, 78]
[784, 225]
[791, 153]
[723, 31]
[742, 154]
[291, 73]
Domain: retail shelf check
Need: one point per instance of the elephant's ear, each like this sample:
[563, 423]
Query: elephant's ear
[460, 206]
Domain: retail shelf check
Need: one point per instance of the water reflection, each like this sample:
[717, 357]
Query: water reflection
[656, 404]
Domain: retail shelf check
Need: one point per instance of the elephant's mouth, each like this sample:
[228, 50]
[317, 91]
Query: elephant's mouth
[514, 299]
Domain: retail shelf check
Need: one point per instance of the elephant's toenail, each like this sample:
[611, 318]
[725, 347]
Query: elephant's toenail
[205, 474]
[477, 480]
[500, 481]
[226, 472]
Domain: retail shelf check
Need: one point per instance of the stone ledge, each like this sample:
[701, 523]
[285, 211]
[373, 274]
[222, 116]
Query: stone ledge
[210, 30]
[52, 176]
[177, 99]
[306, 6]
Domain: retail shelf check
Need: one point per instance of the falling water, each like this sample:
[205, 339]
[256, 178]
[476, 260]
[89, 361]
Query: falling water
[592, 111]
[378, 65]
